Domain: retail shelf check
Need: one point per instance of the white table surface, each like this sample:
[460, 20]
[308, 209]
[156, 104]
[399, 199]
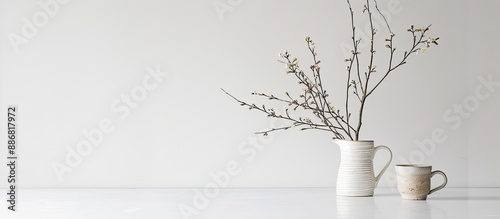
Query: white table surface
[272, 203]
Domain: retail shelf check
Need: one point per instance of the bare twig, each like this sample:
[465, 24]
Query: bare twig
[315, 98]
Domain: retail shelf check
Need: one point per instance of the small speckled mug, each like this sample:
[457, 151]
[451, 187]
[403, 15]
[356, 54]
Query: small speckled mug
[414, 181]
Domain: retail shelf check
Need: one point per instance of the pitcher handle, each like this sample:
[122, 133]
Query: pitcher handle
[375, 149]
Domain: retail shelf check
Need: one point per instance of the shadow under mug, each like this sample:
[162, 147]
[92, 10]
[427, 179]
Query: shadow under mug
[414, 181]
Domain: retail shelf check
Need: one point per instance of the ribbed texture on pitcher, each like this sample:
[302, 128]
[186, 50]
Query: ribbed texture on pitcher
[356, 176]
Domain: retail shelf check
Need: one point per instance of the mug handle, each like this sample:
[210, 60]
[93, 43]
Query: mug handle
[442, 185]
[375, 149]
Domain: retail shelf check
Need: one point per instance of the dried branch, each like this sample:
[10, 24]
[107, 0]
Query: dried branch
[315, 98]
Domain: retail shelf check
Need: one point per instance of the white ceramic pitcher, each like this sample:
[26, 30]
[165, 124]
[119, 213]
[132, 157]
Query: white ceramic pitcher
[356, 176]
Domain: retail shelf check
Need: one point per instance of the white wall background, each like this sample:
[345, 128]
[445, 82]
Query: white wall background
[91, 54]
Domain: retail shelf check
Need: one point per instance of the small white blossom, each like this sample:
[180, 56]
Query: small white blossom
[422, 50]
